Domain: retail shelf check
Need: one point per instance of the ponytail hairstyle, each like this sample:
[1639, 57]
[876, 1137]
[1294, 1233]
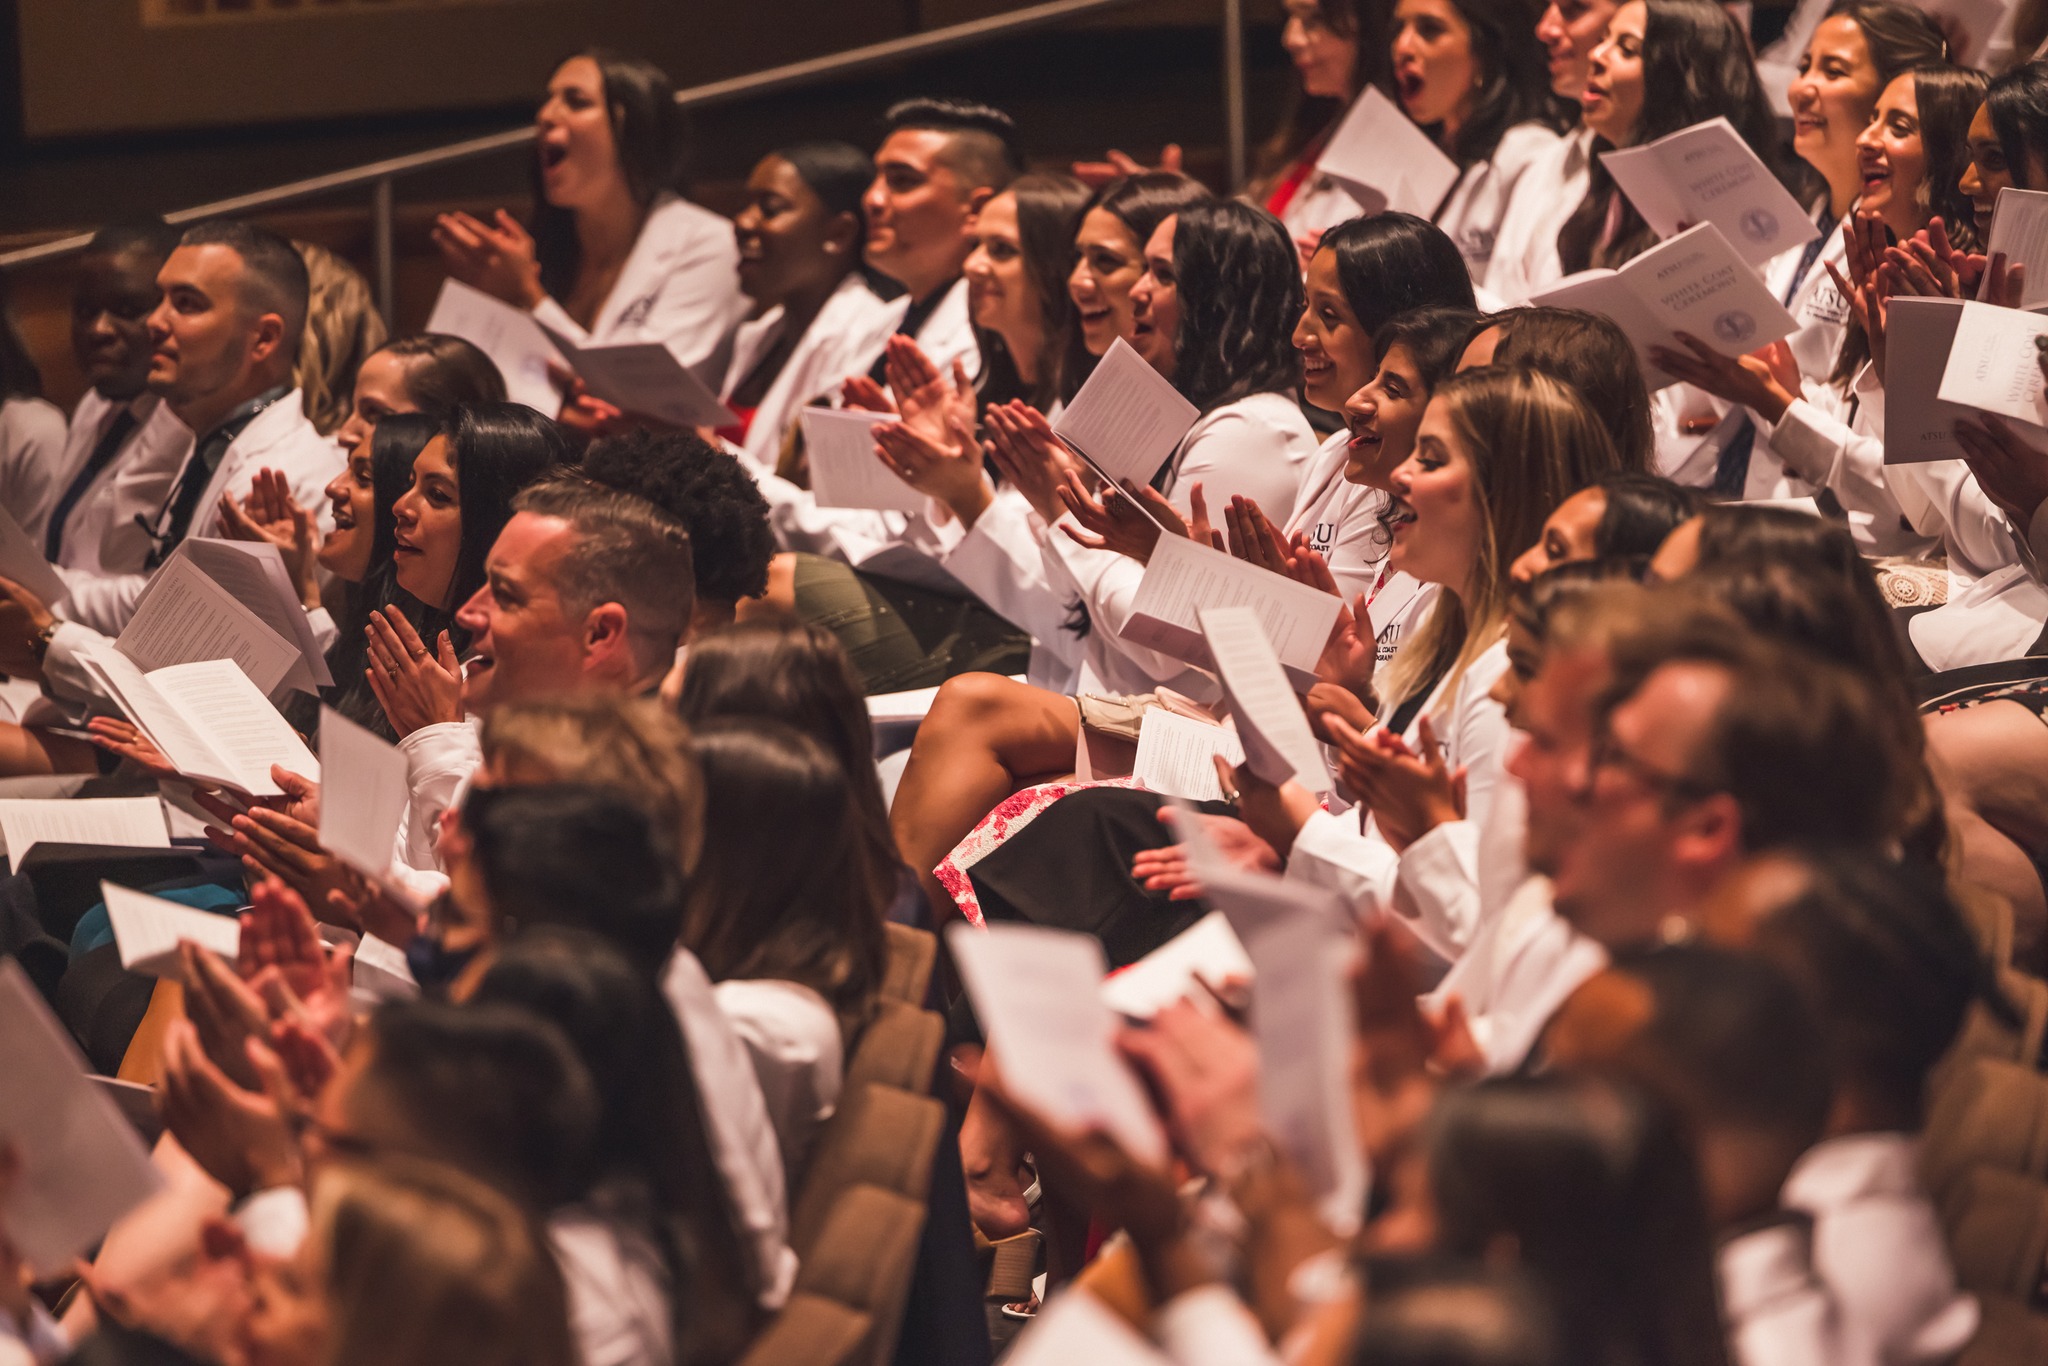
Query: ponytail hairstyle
[1533, 442]
[1696, 66]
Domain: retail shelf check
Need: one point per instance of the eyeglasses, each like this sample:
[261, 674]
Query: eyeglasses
[1608, 754]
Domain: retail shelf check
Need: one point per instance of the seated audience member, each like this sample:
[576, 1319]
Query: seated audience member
[226, 335]
[1728, 1042]
[1719, 747]
[798, 675]
[343, 328]
[426, 372]
[1337, 49]
[614, 254]
[125, 445]
[1525, 251]
[1471, 76]
[711, 495]
[32, 432]
[940, 161]
[1622, 516]
[1109, 259]
[816, 317]
[1888, 968]
[887, 584]
[651, 1253]
[408, 1263]
[795, 946]
[1496, 452]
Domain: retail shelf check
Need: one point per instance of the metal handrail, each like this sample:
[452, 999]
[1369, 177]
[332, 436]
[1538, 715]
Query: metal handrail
[378, 174]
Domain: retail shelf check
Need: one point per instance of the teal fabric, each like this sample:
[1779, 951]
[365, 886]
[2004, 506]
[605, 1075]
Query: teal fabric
[95, 929]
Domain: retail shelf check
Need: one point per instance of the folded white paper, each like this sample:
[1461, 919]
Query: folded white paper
[1127, 419]
[1278, 744]
[185, 616]
[254, 574]
[1176, 755]
[21, 560]
[1074, 1326]
[839, 445]
[1385, 162]
[1038, 994]
[645, 378]
[1708, 174]
[207, 718]
[363, 794]
[1694, 283]
[126, 822]
[1992, 364]
[1205, 957]
[148, 930]
[83, 1165]
[1300, 943]
[1183, 577]
[508, 335]
[2019, 229]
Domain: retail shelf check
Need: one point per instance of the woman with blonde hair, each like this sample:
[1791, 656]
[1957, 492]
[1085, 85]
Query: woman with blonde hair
[411, 1263]
[1497, 451]
[343, 327]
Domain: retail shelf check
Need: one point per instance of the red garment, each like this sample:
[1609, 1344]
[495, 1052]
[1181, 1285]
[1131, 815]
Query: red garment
[1297, 175]
[736, 432]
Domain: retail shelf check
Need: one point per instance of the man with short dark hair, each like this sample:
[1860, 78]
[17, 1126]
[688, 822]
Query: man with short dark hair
[939, 162]
[224, 338]
[125, 445]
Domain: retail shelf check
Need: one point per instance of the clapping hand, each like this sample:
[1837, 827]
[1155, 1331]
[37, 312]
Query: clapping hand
[271, 515]
[1166, 869]
[1096, 174]
[1409, 793]
[1029, 457]
[1117, 519]
[414, 687]
[496, 257]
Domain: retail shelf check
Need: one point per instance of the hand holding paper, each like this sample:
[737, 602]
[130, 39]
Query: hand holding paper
[845, 471]
[1038, 995]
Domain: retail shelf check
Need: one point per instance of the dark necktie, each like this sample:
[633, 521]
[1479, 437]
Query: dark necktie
[914, 318]
[102, 455]
[198, 473]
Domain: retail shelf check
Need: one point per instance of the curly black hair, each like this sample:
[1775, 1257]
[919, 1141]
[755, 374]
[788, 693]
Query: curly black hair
[705, 489]
[1240, 297]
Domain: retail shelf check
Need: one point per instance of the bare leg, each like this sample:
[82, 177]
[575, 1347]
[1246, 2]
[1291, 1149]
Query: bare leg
[993, 1161]
[985, 737]
[1992, 764]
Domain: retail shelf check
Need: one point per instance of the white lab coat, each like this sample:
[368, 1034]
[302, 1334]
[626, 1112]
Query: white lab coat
[1524, 260]
[1477, 208]
[618, 1285]
[680, 286]
[743, 1139]
[101, 535]
[1432, 886]
[1777, 1310]
[32, 436]
[278, 438]
[842, 340]
[1823, 317]
[792, 1038]
[1255, 447]
[1520, 967]
[1880, 1250]
[1843, 451]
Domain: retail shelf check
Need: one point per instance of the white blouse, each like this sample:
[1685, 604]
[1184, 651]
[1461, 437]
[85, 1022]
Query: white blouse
[1524, 260]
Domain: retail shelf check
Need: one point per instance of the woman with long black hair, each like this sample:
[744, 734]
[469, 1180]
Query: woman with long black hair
[615, 253]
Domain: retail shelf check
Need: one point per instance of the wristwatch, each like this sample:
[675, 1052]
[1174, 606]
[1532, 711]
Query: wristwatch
[41, 645]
